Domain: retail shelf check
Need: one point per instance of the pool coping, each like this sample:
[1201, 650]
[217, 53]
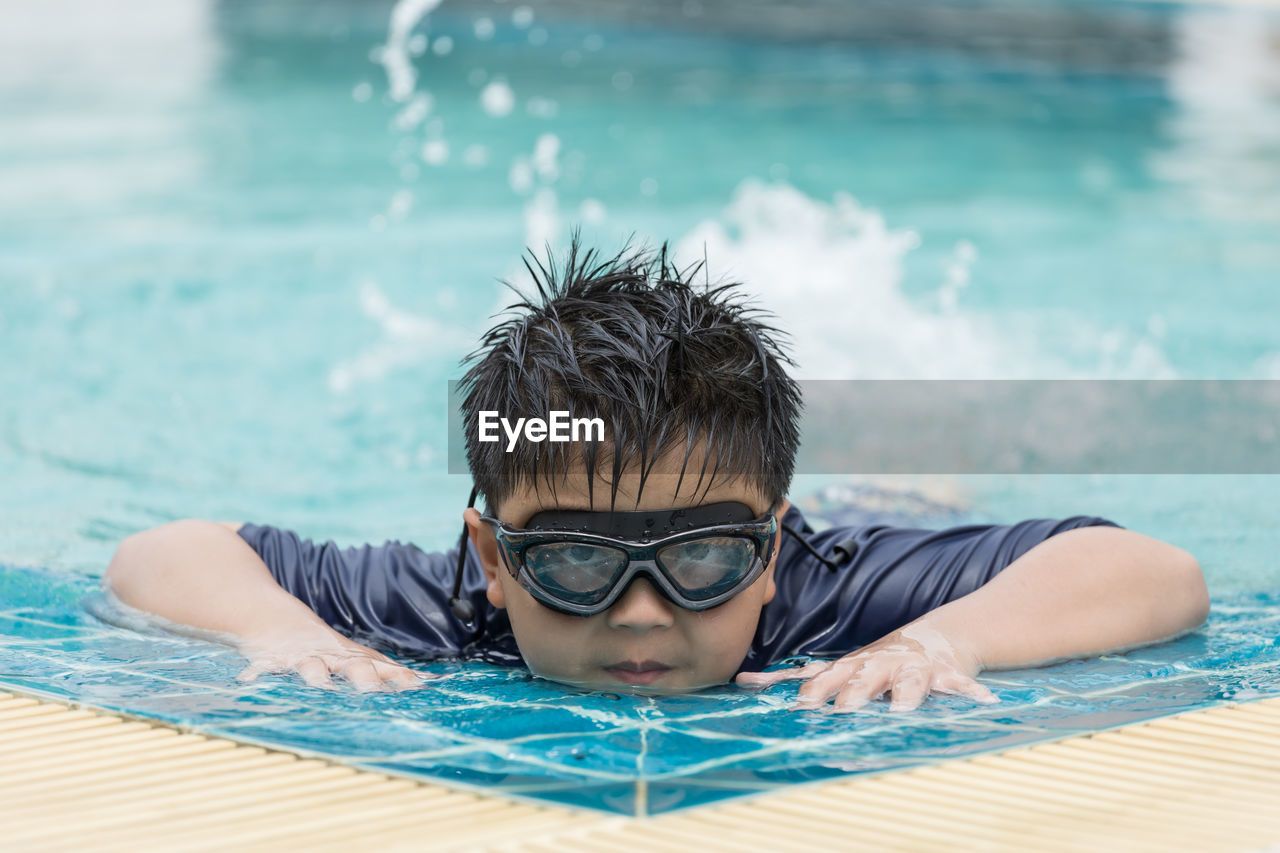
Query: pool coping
[1202, 780]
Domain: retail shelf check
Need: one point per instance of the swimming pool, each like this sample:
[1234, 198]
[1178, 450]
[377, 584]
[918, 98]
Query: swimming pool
[236, 272]
[502, 731]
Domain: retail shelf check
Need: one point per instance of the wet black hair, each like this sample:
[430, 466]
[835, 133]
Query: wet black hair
[666, 362]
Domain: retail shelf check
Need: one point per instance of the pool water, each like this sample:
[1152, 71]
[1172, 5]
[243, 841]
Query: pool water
[239, 262]
[501, 730]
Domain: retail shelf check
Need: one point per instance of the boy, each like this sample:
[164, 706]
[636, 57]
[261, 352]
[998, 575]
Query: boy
[662, 554]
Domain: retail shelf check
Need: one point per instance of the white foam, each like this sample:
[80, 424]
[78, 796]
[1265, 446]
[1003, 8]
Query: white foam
[412, 114]
[542, 220]
[407, 339]
[592, 211]
[400, 205]
[541, 107]
[402, 77]
[833, 273]
[1267, 367]
[546, 156]
[1223, 84]
[435, 152]
[522, 17]
[520, 176]
[497, 99]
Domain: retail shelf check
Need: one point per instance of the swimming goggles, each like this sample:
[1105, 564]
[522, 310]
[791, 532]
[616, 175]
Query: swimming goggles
[701, 526]
[581, 562]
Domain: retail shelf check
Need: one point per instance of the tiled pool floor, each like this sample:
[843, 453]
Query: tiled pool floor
[506, 732]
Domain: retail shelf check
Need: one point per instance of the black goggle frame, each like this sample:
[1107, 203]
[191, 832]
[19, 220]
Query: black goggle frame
[642, 558]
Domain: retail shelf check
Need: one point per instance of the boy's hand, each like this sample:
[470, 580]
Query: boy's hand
[908, 664]
[319, 658]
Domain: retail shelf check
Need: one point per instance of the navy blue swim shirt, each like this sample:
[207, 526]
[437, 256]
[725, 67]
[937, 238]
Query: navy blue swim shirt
[395, 596]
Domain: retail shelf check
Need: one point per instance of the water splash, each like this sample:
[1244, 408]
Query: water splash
[535, 175]
[395, 55]
[407, 340]
[497, 99]
[833, 273]
[417, 109]
[1225, 84]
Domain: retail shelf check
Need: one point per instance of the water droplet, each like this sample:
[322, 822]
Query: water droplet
[497, 99]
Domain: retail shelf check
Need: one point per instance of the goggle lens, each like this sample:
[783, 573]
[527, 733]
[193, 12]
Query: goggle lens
[705, 568]
[578, 572]
[585, 573]
[579, 561]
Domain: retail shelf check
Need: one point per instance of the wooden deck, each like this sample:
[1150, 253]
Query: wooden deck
[78, 778]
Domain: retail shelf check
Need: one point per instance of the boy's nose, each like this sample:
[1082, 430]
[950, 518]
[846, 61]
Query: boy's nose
[641, 607]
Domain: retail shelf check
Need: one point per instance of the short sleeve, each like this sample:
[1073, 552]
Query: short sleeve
[895, 576]
[391, 596]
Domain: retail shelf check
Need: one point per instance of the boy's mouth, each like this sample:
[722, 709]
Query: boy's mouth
[638, 672]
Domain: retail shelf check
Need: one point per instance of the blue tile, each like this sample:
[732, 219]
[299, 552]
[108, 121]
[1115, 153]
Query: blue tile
[1065, 714]
[496, 768]
[30, 663]
[42, 588]
[509, 722]
[615, 797]
[17, 625]
[718, 785]
[614, 753]
[326, 732]
[211, 706]
[668, 795]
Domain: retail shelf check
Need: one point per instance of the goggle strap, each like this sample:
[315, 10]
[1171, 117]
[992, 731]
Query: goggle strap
[464, 610]
[795, 534]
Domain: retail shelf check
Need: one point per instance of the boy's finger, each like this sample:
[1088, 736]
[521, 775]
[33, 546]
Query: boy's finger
[262, 666]
[764, 679]
[909, 688]
[979, 693]
[400, 677]
[251, 672]
[315, 672]
[361, 674]
[859, 691]
[961, 685]
[823, 686]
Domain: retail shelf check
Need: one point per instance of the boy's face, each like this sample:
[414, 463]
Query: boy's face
[644, 641]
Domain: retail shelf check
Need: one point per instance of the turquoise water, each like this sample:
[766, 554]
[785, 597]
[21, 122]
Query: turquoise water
[237, 267]
[502, 730]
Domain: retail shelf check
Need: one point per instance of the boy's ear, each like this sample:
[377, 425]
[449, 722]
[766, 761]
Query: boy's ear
[771, 589]
[486, 546]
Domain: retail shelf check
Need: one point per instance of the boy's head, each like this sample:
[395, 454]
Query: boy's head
[697, 411]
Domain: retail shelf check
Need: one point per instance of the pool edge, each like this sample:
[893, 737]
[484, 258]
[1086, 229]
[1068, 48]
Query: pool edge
[1199, 780]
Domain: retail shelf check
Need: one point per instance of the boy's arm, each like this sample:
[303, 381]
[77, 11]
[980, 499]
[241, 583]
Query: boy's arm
[1081, 592]
[202, 574]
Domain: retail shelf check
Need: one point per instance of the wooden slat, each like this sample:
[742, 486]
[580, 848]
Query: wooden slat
[1203, 781]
